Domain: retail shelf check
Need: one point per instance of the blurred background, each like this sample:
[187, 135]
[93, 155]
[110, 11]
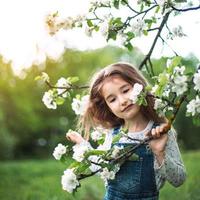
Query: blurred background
[29, 131]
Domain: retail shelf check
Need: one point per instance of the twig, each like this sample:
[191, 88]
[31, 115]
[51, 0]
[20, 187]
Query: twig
[168, 45]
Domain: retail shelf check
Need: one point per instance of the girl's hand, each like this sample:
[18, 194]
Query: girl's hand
[74, 137]
[159, 140]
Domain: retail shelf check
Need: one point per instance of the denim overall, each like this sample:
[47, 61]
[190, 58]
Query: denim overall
[136, 179]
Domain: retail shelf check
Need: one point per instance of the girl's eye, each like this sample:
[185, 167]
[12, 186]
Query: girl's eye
[125, 91]
[112, 100]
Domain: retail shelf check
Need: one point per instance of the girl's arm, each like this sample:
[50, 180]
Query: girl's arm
[172, 168]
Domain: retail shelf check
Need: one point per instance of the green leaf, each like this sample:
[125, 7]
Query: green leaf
[134, 157]
[94, 152]
[180, 1]
[116, 138]
[117, 22]
[60, 100]
[89, 23]
[176, 61]
[82, 167]
[116, 4]
[141, 7]
[124, 2]
[129, 46]
[96, 28]
[149, 21]
[38, 78]
[169, 114]
[78, 96]
[144, 102]
[145, 32]
[101, 141]
[73, 79]
[130, 35]
[112, 34]
[196, 120]
[74, 164]
[163, 80]
[157, 9]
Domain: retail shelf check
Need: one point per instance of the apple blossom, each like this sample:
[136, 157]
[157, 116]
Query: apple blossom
[137, 89]
[193, 106]
[138, 27]
[48, 100]
[69, 180]
[79, 106]
[59, 151]
[96, 135]
[106, 174]
[62, 82]
[196, 80]
[79, 150]
[178, 31]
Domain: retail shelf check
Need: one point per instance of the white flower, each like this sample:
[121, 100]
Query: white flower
[79, 106]
[121, 38]
[137, 89]
[79, 150]
[161, 2]
[95, 3]
[48, 100]
[95, 159]
[179, 70]
[159, 104]
[166, 92]
[194, 106]
[154, 89]
[98, 3]
[59, 151]
[169, 63]
[170, 108]
[196, 80]
[105, 2]
[139, 1]
[66, 23]
[180, 79]
[88, 31]
[69, 181]
[62, 82]
[116, 151]
[96, 135]
[106, 175]
[104, 28]
[178, 31]
[138, 27]
[179, 89]
[180, 84]
[191, 107]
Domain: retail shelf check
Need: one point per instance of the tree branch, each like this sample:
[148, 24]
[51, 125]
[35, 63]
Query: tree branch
[186, 9]
[165, 18]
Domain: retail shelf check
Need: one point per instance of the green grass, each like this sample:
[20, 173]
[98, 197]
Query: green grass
[40, 180]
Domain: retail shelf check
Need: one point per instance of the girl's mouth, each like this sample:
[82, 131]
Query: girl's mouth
[127, 108]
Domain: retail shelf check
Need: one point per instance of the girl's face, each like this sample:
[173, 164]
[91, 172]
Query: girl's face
[116, 93]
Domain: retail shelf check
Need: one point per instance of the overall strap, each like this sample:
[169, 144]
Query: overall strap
[116, 130]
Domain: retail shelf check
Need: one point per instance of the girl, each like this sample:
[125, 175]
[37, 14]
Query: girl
[110, 107]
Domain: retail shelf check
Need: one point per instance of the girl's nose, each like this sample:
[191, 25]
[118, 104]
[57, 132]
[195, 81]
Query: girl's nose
[123, 101]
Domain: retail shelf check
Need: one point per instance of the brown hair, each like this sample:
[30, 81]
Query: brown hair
[98, 113]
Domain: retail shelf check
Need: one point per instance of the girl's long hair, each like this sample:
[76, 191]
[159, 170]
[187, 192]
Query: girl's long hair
[98, 113]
